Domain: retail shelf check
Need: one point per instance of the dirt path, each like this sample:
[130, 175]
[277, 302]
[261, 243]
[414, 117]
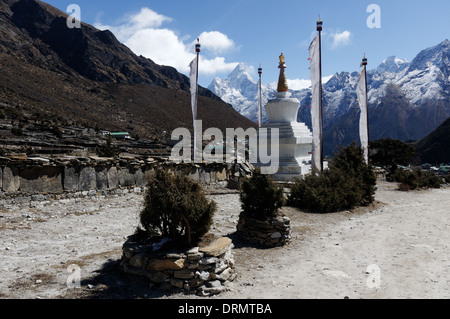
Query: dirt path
[398, 248]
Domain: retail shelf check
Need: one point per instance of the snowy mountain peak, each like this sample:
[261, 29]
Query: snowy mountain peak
[437, 55]
[392, 64]
[240, 75]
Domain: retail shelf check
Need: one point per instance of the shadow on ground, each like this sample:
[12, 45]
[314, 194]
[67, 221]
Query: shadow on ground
[110, 282]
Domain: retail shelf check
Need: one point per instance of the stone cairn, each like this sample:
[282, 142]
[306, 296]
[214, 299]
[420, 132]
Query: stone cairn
[202, 270]
[273, 232]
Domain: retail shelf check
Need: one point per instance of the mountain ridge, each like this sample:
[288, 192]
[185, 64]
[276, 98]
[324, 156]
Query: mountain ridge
[407, 100]
[87, 76]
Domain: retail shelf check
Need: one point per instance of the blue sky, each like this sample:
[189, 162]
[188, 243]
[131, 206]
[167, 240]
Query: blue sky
[257, 31]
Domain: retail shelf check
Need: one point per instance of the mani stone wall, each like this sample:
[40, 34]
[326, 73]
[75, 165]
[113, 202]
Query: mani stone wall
[201, 270]
[26, 176]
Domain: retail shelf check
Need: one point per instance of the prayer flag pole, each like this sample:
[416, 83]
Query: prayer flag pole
[259, 97]
[315, 50]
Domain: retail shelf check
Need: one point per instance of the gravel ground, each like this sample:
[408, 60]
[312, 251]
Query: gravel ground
[396, 248]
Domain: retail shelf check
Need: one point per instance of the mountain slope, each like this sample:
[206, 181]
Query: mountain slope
[407, 100]
[88, 76]
[435, 147]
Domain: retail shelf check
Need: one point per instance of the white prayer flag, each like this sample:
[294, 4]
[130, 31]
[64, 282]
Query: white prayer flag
[194, 87]
[194, 97]
[316, 118]
[361, 92]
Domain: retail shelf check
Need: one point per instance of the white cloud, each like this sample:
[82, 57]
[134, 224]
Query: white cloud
[162, 46]
[143, 34]
[341, 38]
[300, 84]
[216, 42]
[146, 18]
[216, 65]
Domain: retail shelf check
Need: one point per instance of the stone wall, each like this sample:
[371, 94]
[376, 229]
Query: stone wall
[270, 233]
[27, 176]
[201, 270]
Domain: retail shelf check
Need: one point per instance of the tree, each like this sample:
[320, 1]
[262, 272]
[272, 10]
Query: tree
[176, 207]
[260, 196]
[348, 182]
[389, 152]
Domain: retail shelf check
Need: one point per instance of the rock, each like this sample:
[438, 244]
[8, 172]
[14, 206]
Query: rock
[179, 283]
[138, 260]
[213, 284]
[220, 266]
[221, 175]
[126, 177]
[208, 260]
[11, 181]
[195, 282]
[87, 179]
[224, 275]
[194, 175]
[193, 265]
[113, 178]
[217, 248]
[203, 275]
[196, 256]
[41, 179]
[193, 250]
[140, 179]
[156, 276]
[166, 264]
[205, 177]
[211, 288]
[275, 235]
[101, 178]
[175, 256]
[184, 274]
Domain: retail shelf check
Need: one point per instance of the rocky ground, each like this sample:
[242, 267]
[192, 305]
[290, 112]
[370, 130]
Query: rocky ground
[397, 248]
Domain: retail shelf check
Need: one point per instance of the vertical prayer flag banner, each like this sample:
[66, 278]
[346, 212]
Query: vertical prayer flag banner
[194, 87]
[194, 97]
[314, 51]
[361, 91]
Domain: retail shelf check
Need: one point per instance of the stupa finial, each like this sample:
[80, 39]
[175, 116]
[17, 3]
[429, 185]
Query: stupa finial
[282, 81]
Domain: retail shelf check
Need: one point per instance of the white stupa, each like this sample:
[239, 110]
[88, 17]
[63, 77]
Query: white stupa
[295, 138]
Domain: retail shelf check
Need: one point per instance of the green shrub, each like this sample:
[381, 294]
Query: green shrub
[411, 180]
[176, 207]
[347, 183]
[260, 197]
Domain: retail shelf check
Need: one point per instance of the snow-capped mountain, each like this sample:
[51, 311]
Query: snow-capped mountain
[241, 91]
[407, 99]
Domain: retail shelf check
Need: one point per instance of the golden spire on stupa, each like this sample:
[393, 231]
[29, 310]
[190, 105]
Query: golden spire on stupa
[282, 81]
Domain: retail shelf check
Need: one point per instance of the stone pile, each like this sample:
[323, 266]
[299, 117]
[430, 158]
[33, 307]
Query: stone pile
[274, 232]
[201, 270]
